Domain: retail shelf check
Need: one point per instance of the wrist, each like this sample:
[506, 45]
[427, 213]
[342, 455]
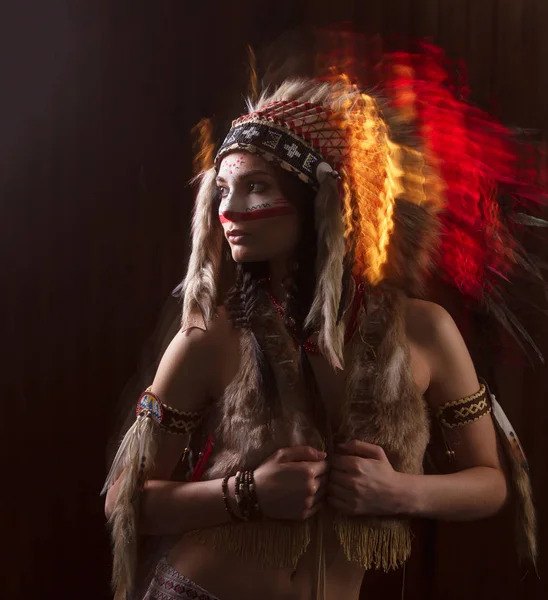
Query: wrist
[232, 495]
[229, 498]
[409, 494]
[239, 497]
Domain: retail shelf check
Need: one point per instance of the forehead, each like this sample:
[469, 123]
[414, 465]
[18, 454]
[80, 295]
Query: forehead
[239, 162]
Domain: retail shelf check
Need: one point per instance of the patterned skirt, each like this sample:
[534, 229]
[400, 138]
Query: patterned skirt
[169, 584]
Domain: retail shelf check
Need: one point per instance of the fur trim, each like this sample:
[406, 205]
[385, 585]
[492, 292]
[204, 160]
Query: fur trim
[199, 290]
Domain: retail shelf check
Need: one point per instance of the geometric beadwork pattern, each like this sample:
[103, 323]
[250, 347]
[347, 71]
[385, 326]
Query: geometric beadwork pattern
[274, 145]
[464, 411]
[298, 136]
[149, 405]
[170, 419]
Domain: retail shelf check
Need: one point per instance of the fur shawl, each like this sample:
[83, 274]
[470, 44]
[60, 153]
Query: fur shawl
[381, 406]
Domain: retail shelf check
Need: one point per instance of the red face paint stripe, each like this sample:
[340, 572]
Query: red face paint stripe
[230, 216]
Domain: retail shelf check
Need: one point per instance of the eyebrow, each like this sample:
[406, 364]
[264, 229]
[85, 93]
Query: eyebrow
[247, 175]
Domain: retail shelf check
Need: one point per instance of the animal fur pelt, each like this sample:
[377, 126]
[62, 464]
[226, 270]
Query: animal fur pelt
[382, 407]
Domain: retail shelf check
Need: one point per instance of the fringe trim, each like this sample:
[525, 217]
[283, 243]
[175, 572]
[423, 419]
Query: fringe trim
[520, 485]
[271, 543]
[385, 547]
[133, 464]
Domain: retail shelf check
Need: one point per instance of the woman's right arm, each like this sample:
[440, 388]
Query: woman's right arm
[290, 484]
[183, 381]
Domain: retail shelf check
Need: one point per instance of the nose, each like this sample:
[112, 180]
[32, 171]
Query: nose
[232, 208]
[232, 216]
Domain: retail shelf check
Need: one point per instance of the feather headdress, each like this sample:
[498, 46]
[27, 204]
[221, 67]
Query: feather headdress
[412, 183]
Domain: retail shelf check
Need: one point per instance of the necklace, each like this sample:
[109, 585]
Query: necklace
[310, 346]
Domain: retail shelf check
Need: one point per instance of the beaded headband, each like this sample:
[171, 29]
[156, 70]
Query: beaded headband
[299, 137]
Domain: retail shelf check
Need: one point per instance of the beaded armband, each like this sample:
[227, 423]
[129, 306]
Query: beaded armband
[169, 419]
[464, 411]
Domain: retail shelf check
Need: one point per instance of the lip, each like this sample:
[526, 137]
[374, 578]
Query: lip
[236, 235]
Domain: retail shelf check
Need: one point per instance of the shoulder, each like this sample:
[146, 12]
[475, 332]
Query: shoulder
[191, 367]
[427, 323]
[432, 329]
[453, 374]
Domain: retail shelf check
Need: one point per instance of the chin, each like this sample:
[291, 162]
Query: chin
[244, 255]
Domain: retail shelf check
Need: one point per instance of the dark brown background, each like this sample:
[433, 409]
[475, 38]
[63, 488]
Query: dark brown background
[97, 100]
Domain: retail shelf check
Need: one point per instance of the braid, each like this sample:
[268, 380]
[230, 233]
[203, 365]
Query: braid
[241, 303]
[242, 297]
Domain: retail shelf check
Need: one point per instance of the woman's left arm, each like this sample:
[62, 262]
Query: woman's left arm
[363, 481]
[478, 489]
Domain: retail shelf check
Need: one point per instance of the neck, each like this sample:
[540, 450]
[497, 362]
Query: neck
[278, 273]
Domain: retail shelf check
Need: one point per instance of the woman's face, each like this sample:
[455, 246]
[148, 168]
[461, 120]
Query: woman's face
[259, 222]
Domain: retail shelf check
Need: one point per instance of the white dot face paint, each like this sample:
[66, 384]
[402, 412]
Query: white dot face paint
[259, 221]
[249, 190]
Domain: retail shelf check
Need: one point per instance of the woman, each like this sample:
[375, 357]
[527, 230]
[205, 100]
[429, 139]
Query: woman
[316, 376]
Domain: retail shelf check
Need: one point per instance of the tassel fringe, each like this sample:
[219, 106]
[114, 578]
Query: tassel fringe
[385, 547]
[270, 543]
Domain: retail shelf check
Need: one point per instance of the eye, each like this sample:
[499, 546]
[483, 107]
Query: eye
[258, 186]
[223, 191]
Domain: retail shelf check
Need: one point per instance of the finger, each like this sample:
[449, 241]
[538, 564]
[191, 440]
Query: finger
[341, 478]
[342, 462]
[338, 504]
[299, 453]
[316, 508]
[314, 469]
[334, 490]
[321, 491]
[319, 496]
[363, 449]
[323, 481]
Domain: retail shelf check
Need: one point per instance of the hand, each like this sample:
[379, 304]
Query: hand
[363, 482]
[291, 483]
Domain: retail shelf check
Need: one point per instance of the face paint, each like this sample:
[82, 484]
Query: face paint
[250, 193]
[266, 210]
[259, 222]
[234, 164]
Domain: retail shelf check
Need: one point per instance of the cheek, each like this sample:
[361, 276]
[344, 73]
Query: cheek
[276, 237]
